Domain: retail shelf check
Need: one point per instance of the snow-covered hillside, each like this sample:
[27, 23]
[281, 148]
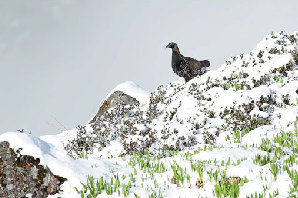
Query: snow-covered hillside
[231, 132]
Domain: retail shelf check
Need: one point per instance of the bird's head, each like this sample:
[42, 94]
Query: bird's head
[174, 46]
[171, 45]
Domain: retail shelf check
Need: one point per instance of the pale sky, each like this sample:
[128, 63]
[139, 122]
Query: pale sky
[59, 59]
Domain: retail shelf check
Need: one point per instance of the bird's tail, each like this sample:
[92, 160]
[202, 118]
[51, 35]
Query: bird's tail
[205, 63]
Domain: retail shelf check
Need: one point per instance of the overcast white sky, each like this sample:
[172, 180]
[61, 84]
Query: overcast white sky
[59, 59]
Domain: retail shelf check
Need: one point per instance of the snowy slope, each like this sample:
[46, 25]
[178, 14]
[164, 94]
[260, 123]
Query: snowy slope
[237, 123]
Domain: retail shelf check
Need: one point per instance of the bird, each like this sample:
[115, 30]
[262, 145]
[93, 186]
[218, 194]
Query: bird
[186, 67]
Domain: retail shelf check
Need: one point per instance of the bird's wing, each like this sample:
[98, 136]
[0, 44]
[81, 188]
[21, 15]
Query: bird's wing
[197, 67]
[193, 64]
[203, 63]
[189, 59]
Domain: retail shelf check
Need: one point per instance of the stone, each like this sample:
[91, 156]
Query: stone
[118, 97]
[21, 175]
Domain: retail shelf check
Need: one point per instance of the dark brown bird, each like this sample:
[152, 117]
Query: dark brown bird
[186, 67]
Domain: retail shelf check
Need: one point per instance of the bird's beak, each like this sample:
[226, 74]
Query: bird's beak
[169, 45]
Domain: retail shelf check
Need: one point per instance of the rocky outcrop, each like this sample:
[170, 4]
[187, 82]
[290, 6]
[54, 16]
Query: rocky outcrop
[22, 175]
[118, 97]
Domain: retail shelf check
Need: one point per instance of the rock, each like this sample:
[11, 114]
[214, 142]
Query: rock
[199, 184]
[118, 97]
[21, 175]
[173, 180]
[229, 180]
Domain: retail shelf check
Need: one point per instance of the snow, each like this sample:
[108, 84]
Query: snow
[56, 159]
[191, 110]
[132, 89]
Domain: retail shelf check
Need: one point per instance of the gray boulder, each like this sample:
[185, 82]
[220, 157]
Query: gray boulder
[118, 97]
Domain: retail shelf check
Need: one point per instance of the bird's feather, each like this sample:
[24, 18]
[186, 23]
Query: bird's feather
[186, 67]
